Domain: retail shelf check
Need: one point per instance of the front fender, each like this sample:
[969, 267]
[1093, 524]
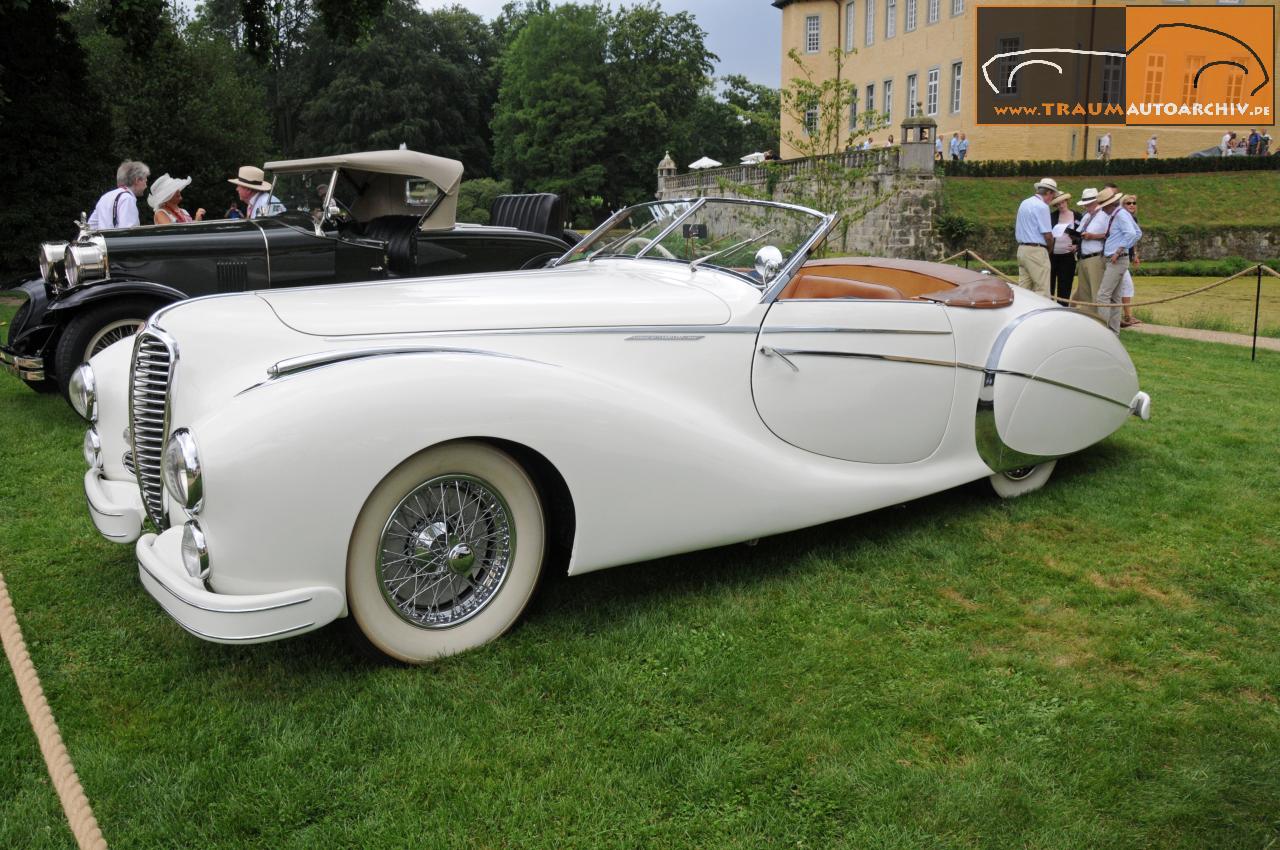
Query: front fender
[32, 324]
[115, 287]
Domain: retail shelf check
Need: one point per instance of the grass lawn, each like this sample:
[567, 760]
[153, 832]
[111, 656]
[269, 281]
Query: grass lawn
[1164, 199]
[1094, 665]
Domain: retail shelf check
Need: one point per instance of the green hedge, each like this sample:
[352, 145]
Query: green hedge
[1098, 168]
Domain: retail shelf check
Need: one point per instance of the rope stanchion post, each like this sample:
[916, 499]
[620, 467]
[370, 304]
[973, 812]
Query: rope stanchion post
[1257, 308]
[70, 793]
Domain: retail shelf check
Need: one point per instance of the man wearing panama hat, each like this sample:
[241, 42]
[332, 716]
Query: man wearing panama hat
[1093, 230]
[1034, 233]
[1122, 234]
[253, 188]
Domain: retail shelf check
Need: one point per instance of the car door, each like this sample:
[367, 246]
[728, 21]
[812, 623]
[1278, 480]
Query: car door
[861, 380]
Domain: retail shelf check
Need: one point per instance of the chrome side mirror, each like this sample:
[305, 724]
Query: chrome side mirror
[768, 263]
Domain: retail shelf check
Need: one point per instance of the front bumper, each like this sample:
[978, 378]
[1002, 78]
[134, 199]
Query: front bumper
[223, 618]
[26, 368]
[115, 506]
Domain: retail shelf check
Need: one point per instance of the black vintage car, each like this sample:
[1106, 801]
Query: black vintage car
[359, 216]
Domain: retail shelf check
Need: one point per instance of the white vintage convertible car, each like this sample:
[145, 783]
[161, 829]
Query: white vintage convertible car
[414, 453]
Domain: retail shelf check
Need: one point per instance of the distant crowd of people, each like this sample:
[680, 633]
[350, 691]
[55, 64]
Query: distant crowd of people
[118, 207]
[1255, 144]
[1081, 260]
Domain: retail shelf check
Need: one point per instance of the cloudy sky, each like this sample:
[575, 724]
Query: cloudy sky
[743, 33]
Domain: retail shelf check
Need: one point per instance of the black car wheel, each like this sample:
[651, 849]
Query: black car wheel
[94, 329]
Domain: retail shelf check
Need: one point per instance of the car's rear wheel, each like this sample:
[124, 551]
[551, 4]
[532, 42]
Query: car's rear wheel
[446, 552]
[94, 329]
[1018, 482]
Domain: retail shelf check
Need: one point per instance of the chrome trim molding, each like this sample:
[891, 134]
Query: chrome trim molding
[241, 639]
[923, 361]
[149, 390]
[266, 251]
[199, 607]
[294, 365]
[664, 338]
[800, 329]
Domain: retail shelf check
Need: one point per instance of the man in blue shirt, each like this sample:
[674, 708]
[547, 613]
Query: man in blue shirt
[1035, 238]
[955, 147]
[1122, 234]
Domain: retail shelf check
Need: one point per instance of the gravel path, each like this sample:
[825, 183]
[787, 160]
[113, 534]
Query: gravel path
[1264, 342]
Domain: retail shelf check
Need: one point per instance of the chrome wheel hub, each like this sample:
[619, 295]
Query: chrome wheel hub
[445, 551]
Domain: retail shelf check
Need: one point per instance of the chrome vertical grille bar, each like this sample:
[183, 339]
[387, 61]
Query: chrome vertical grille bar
[153, 358]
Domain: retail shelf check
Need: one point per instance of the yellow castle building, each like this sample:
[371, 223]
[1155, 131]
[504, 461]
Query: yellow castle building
[898, 53]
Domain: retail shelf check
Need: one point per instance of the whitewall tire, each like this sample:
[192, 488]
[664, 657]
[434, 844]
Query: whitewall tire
[446, 552]
[1019, 482]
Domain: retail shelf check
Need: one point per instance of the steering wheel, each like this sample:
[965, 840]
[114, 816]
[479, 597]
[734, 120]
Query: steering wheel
[639, 243]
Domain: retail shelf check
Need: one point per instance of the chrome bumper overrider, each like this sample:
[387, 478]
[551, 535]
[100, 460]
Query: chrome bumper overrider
[115, 506]
[26, 368]
[223, 618]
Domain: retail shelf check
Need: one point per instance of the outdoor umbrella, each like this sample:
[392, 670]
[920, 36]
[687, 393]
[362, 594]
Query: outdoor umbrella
[705, 162]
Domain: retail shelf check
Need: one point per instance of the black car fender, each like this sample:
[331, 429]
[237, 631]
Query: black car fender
[117, 287]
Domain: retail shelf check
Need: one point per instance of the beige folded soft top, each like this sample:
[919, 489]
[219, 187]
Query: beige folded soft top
[384, 173]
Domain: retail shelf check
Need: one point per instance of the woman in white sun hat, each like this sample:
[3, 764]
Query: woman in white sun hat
[166, 199]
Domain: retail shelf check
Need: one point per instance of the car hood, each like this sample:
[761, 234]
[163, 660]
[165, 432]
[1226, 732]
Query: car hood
[604, 294]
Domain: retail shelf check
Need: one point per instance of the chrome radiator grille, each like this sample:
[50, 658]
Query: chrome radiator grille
[153, 357]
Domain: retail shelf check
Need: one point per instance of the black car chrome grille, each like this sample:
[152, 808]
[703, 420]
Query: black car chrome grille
[149, 418]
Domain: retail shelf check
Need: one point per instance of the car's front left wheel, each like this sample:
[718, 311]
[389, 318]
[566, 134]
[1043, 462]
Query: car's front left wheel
[446, 552]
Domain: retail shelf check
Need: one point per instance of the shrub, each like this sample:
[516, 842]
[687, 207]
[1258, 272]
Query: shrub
[475, 197]
[955, 229]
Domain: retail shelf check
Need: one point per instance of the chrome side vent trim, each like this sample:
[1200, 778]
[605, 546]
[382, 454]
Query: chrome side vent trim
[154, 354]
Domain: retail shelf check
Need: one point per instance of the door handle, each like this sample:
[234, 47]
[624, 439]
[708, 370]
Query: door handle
[769, 351]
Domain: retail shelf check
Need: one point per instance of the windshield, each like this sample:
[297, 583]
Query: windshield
[721, 232]
[305, 191]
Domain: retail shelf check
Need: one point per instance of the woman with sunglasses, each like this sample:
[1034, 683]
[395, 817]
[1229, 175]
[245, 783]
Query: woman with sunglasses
[1130, 203]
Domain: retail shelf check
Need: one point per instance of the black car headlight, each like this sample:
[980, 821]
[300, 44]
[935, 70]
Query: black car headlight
[83, 390]
[51, 254]
[180, 468]
[86, 261]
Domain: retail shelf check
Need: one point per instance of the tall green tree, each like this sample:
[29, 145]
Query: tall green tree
[425, 79]
[656, 66]
[185, 108]
[548, 130]
[55, 134]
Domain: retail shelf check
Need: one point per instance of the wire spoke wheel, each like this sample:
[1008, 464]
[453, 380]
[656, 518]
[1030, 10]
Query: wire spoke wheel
[114, 332]
[446, 551]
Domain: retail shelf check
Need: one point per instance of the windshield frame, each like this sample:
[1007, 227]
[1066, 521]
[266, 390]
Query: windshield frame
[822, 227]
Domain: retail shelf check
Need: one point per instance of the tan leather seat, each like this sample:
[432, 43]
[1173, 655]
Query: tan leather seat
[808, 285]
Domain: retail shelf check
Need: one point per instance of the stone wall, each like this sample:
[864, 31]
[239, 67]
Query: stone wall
[902, 199]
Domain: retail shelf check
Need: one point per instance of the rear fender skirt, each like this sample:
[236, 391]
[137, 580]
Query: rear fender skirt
[1104, 402]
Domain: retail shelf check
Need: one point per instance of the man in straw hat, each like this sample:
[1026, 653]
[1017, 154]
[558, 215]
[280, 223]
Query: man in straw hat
[254, 190]
[1034, 233]
[1093, 230]
[1122, 234]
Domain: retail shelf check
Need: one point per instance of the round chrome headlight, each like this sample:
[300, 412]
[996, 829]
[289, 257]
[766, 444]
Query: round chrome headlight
[86, 261]
[83, 390]
[195, 551]
[93, 448]
[180, 467]
[51, 254]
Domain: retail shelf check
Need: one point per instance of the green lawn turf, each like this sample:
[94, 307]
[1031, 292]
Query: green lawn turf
[1091, 666]
[1213, 198]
